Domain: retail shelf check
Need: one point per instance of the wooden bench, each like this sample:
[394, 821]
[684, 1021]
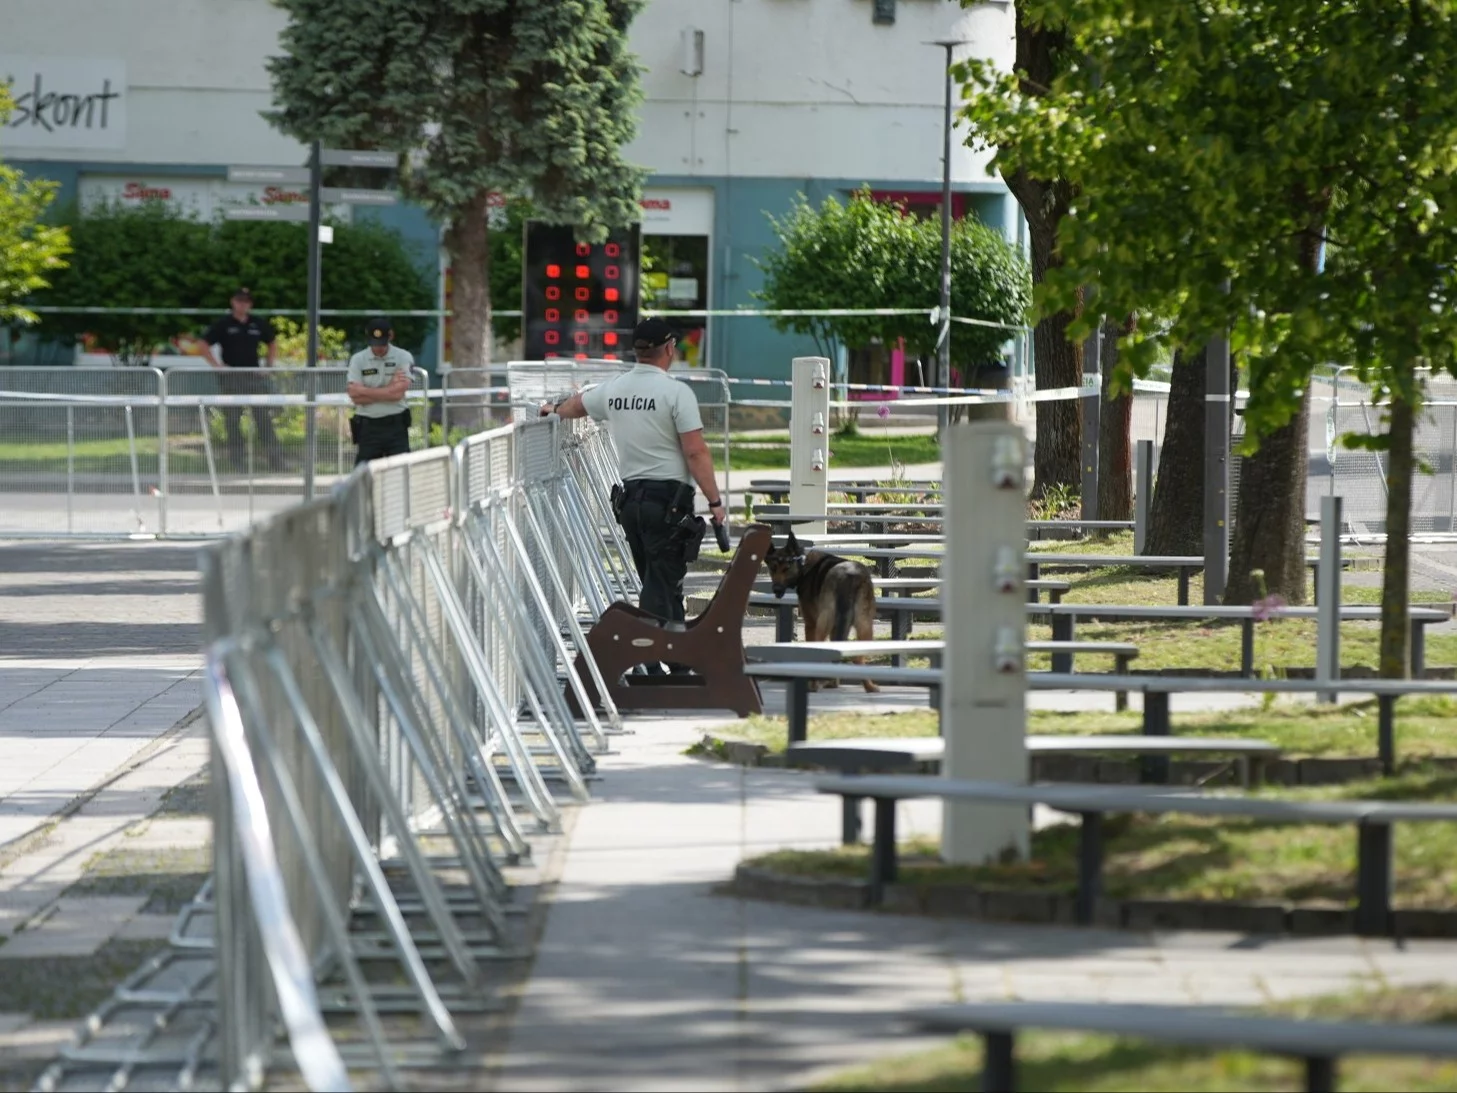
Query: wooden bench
[832, 652]
[1373, 821]
[800, 677]
[1419, 616]
[1317, 1044]
[799, 673]
[781, 519]
[903, 587]
[925, 753]
[777, 489]
[712, 644]
[904, 611]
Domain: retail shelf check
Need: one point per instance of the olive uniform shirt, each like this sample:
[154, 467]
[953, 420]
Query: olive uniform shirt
[646, 410]
[374, 371]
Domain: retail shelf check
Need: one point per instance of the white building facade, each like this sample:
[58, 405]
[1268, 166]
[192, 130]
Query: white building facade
[748, 104]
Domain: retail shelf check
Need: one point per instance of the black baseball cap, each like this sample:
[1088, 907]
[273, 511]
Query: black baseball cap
[651, 333]
[243, 294]
[379, 331]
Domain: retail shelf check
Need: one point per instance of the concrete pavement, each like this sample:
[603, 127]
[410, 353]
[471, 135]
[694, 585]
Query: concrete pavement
[649, 978]
[99, 664]
[99, 653]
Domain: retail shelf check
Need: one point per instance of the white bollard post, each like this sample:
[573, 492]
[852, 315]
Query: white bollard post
[1328, 596]
[984, 690]
[1142, 492]
[809, 442]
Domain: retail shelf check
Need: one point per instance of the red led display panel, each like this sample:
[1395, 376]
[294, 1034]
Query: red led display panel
[602, 283]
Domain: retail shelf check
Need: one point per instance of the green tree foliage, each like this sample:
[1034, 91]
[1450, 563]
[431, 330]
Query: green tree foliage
[507, 242]
[865, 254]
[154, 256]
[1217, 147]
[30, 249]
[533, 100]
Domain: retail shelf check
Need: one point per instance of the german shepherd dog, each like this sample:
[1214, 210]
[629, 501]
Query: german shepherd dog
[834, 593]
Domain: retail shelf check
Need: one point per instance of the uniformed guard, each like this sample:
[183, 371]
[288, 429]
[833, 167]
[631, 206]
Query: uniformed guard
[239, 334]
[658, 434]
[379, 380]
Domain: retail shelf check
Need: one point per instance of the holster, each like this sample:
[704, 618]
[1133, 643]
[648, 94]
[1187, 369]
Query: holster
[688, 529]
[619, 498]
[682, 503]
[356, 423]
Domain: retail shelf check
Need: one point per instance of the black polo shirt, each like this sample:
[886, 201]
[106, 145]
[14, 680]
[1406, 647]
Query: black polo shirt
[240, 339]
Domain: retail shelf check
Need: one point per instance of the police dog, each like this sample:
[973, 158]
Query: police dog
[834, 594]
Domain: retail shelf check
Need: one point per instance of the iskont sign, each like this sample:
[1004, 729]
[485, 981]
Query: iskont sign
[64, 103]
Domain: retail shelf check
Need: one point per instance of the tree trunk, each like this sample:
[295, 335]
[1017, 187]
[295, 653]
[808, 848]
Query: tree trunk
[1395, 655]
[1269, 527]
[1175, 519]
[1115, 450]
[1058, 450]
[470, 259]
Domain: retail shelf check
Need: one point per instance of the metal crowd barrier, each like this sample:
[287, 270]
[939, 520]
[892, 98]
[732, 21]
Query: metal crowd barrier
[142, 452]
[384, 688]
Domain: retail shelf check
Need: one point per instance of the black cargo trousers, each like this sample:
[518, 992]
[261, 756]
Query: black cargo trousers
[659, 553]
[378, 437]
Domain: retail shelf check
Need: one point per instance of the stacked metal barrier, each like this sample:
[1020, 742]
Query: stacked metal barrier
[384, 687]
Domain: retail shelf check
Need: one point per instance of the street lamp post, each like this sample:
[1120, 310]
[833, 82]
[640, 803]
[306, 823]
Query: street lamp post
[943, 338]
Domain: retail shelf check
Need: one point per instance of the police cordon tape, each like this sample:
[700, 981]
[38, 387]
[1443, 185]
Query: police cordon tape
[440, 313]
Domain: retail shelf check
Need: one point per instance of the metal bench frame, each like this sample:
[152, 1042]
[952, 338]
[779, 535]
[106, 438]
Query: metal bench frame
[1373, 820]
[1317, 1044]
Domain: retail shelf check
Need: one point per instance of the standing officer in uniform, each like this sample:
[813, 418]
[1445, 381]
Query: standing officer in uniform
[239, 335]
[379, 379]
[658, 434]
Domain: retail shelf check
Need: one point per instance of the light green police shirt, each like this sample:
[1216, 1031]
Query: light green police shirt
[645, 411]
[372, 371]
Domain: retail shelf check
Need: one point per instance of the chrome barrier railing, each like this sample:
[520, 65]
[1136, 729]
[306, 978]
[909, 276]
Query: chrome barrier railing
[189, 452]
[385, 690]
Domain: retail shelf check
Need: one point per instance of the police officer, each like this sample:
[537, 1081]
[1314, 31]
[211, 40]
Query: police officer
[379, 379]
[238, 334]
[658, 434]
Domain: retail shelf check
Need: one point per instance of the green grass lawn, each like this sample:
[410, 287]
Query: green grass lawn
[113, 455]
[1426, 726]
[770, 451]
[1198, 857]
[1058, 1062]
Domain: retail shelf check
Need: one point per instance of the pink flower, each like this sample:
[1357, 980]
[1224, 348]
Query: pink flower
[883, 412]
[1267, 608]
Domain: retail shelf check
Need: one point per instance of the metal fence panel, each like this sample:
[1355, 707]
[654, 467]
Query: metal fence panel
[82, 451]
[188, 452]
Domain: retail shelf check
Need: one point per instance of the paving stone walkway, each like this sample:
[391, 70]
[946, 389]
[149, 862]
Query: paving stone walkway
[99, 726]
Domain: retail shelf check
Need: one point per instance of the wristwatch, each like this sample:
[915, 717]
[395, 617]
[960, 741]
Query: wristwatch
[716, 504]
